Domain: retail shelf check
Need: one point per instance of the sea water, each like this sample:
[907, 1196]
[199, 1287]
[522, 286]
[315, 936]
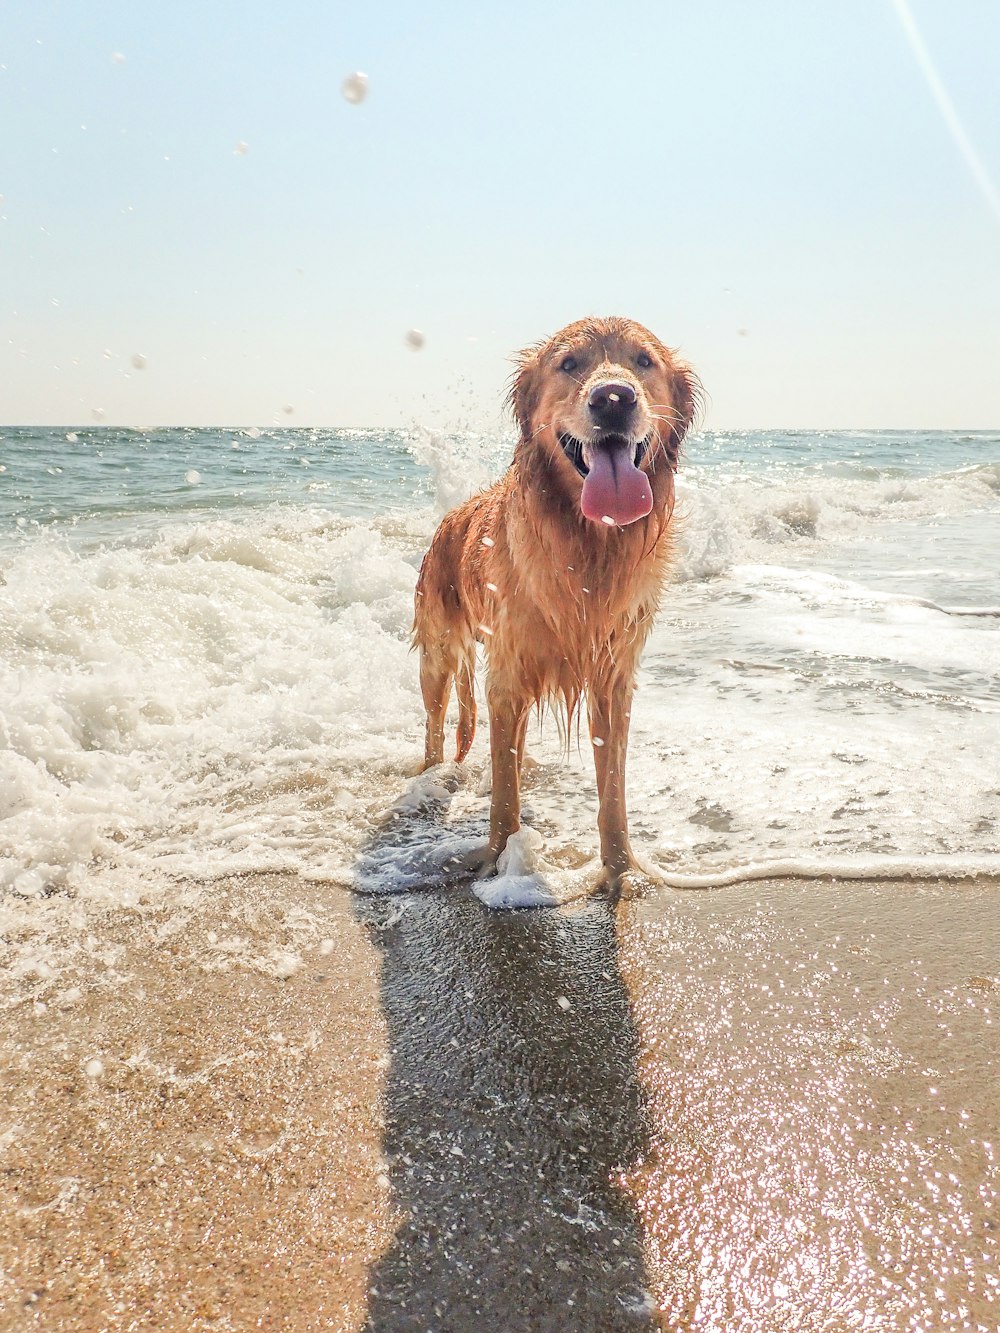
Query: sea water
[205, 665]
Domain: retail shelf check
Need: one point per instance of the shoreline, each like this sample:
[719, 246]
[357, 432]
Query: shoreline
[316, 1110]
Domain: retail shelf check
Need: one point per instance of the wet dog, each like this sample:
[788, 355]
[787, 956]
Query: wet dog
[558, 568]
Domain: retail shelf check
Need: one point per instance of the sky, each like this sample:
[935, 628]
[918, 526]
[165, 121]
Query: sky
[772, 186]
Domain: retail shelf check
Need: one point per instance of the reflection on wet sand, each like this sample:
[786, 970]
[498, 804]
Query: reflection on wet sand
[820, 1063]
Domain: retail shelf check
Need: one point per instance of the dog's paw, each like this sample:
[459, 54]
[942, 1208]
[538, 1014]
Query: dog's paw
[479, 862]
[631, 879]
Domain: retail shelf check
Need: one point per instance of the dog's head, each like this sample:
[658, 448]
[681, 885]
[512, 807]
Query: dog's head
[609, 405]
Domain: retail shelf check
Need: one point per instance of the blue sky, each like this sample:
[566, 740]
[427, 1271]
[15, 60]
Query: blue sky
[768, 185]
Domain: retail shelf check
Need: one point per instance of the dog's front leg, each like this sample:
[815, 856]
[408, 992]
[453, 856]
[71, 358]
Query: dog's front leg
[508, 721]
[610, 710]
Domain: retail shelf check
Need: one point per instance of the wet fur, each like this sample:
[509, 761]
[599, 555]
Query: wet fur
[562, 605]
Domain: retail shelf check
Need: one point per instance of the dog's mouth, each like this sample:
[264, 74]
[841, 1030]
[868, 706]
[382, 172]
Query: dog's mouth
[615, 489]
[573, 449]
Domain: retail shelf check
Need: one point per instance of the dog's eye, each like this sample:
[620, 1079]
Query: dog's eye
[643, 361]
[569, 364]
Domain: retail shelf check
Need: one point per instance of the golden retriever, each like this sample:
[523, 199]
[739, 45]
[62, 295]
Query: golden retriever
[557, 569]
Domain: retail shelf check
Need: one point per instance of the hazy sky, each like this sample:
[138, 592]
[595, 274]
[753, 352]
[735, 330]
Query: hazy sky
[769, 184]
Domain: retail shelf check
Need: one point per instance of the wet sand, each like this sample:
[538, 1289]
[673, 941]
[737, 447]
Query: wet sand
[771, 1107]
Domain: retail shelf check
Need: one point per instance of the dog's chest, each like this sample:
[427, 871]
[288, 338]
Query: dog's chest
[569, 620]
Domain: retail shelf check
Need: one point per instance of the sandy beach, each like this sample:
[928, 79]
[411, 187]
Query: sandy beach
[761, 1108]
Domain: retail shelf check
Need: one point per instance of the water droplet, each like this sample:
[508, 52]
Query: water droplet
[139, 361]
[193, 477]
[355, 88]
[241, 149]
[93, 1068]
[415, 339]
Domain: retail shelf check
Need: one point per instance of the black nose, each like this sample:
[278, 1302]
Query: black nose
[611, 403]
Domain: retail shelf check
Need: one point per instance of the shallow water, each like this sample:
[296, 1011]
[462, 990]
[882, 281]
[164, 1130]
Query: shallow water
[205, 663]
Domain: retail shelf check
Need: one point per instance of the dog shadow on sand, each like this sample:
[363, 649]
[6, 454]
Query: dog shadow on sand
[512, 1104]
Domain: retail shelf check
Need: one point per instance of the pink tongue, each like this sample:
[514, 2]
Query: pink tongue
[614, 488]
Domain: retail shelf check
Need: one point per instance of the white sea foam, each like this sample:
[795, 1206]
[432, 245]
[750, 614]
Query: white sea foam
[746, 517]
[855, 867]
[522, 879]
[201, 705]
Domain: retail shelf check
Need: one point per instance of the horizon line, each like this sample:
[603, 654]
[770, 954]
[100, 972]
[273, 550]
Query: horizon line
[416, 426]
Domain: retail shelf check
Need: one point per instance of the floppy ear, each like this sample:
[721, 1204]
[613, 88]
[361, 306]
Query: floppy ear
[522, 393]
[686, 392]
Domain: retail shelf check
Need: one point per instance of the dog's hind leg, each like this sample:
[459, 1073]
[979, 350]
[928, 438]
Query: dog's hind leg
[435, 686]
[465, 686]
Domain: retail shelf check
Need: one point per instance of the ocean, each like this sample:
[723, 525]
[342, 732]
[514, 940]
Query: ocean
[204, 648]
